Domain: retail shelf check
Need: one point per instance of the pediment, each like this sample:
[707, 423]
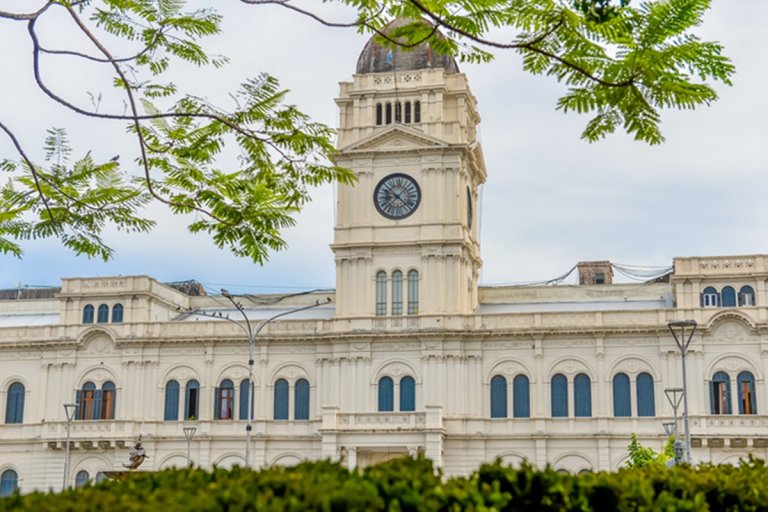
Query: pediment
[395, 138]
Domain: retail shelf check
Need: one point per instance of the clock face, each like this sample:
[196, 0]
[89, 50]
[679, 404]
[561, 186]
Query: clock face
[397, 196]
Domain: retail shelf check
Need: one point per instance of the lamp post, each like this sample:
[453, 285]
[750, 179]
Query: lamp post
[189, 434]
[69, 411]
[252, 334]
[682, 341]
[674, 396]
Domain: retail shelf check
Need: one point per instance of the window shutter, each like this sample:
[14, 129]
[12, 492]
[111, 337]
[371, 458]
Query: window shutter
[582, 396]
[79, 402]
[216, 403]
[245, 391]
[645, 395]
[521, 406]
[96, 405]
[386, 394]
[407, 394]
[498, 397]
[621, 400]
[301, 402]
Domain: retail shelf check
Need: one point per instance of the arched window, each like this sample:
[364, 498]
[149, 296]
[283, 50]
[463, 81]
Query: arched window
[747, 399]
[14, 406]
[521, 405]
[417, 111]
[728, 297]
[746, 296]
[108, 393]
[710, 298]
[82, 479]
[381, 293]
[388, 113]
[498, 397]
[386, 394]
[192, 400]
[622, 405]
[407, 394]
[379, 119]
[103, 314]
[100, 477]
[281, 399]
[413, 292]
[720, 395]
[85, 401]
[88, 314]
[301, 400]
[646, 400]
[224, 400]
[171, 401]
[559, 391]
[398, 112]
[117, 313]
[245, 392]
[407, 111]
[9, 482]
[582, 396]
[397, 292]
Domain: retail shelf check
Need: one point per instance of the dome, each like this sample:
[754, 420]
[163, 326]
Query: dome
[376, 58]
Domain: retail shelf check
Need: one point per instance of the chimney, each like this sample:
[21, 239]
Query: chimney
[595, 272]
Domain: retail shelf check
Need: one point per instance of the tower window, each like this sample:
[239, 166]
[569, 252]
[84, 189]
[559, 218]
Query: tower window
[417, 111]
[381, 293]
[388, 113]
[710, 298]
[397, 293]
[88, 314]
[407, 111]
[398, 112]
[746, 296]
[413, 292]
[379, 116]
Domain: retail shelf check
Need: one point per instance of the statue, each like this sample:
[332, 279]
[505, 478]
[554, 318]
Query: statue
[137, 455]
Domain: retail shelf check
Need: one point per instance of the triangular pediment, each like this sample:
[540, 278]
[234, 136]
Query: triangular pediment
[395, 138]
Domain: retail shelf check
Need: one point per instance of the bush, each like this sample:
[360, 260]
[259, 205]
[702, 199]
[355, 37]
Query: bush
[413, 485]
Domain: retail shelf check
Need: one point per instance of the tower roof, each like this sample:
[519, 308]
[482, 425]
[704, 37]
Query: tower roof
[376, 58]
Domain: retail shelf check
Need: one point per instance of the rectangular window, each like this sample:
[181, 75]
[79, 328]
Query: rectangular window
[720, 397]
[397, 293]
[746, 397]
[413, 292]
[381, 294]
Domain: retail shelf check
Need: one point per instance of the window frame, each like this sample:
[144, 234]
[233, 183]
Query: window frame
[14, 403]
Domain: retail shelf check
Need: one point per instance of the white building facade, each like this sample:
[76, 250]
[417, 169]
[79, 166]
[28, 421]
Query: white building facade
[409, 356]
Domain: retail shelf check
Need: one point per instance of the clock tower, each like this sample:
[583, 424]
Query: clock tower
[406, 234]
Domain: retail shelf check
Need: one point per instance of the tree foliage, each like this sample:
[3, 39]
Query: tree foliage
[622, 64]
[641, 456]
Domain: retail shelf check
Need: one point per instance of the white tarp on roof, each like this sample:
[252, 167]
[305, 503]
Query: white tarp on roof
[29, 319]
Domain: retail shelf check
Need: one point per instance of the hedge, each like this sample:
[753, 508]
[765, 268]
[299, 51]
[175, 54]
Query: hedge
[414, 485]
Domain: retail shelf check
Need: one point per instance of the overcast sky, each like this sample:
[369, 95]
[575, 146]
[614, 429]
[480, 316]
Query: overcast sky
[550, 201]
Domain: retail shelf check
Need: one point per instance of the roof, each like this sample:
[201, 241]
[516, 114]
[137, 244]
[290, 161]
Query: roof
[376, 58]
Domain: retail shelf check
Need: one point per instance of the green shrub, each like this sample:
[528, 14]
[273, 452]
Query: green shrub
[414, 485]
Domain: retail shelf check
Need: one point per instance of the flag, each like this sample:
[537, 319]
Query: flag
[429, 55]
[388, 59]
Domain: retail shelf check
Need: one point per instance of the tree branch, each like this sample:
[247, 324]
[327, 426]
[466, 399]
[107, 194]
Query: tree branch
[31, 165]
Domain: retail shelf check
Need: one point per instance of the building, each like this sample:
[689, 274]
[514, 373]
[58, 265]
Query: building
[409, 356]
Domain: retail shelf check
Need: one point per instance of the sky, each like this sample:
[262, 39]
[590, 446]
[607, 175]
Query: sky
[550, 201]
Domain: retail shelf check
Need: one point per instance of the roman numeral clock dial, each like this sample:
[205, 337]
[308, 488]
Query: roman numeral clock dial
[397, 196]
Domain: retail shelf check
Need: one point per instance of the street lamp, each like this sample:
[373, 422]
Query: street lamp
[69, 410]
[251, 333]
[674, 397]
[189, 434]
[682, 343]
